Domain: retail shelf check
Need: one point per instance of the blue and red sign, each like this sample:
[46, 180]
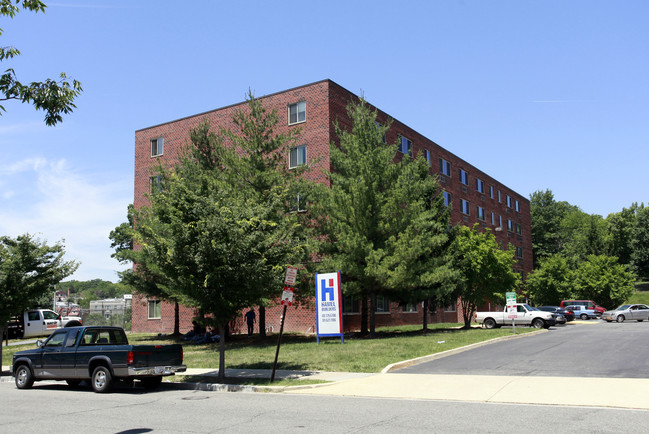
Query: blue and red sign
[329, 309]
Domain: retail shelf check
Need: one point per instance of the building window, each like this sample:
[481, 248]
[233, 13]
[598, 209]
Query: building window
[491, 191]
[493, 219]
[480, 213]
[519, 230]
[382, 304]
[517, 206]
[299, 205]
[508, 201]
[519, 252]
[427, 156]
[410, 308]
[444, 167]
[451, 307]
[297, 113]
[510, 225]
[405, 146]
[448, 198]
[155, 183]
[464, 177]
[351, 305]
[155, 309]
[500, 221]
[297, 157]
[464, 206]
[479, 185]
[499, 201]
[157, 147]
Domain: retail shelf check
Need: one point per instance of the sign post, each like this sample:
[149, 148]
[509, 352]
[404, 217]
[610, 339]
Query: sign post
[287, 300]
[329, 311]
[512, 310]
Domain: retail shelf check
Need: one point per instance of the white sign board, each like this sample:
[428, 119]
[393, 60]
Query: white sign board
[291, 276]
[328, 301]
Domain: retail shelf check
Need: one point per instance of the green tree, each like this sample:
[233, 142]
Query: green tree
[52, 96]
[485, 268]
[582, 234]
[602, 279]
[640, 243]
[547, 216]
[551, 282]
[222, 241]
[381, 220]
[28, 269]
[619, 234]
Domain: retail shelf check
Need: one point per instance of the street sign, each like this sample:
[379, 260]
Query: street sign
[291, 276]
[287, 296]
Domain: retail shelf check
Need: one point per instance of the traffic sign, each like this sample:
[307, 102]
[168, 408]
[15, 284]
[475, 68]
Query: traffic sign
[291, 276]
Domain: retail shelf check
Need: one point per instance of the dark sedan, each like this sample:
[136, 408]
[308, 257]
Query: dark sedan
[569, 315]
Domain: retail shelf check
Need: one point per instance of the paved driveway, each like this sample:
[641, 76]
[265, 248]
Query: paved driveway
[591, 349]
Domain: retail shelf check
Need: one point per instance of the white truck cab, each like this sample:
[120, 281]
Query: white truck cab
[39, 322]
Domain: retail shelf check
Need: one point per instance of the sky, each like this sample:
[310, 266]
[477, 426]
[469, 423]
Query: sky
[538, 94]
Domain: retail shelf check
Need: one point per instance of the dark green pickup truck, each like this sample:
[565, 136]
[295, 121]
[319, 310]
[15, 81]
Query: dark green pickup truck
[100, 355]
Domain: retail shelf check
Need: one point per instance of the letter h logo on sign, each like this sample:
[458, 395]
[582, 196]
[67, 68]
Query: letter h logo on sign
[327, 289]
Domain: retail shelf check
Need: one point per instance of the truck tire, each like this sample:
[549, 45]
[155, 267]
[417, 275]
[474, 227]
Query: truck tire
[24, 377]
[538, 323]
[489, 323]
[102, 379]
[151, 383]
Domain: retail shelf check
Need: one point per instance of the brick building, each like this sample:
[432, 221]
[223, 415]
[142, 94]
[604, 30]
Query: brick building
[476, 196]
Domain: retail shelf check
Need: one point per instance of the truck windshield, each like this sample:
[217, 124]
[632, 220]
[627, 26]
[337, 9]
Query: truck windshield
[48, 314]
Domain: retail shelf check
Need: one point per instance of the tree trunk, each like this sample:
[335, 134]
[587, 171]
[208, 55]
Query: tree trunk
[2, 332]
[467, 313]
[373, 315]
[425, 318]
[364, 316]
[222, 333]
[262, 321]
[176, 319]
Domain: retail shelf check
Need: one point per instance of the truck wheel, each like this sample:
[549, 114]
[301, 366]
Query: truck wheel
[489, 323]
[538, 323]
[620, 318]
[24, 377]
[151, 383]
[583, 316]
[102, 380]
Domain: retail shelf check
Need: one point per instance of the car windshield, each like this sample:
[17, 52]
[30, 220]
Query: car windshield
[529, 307]
[623, 307]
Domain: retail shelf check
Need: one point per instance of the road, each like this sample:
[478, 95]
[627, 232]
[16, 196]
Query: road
[53, 408]
[592, 349]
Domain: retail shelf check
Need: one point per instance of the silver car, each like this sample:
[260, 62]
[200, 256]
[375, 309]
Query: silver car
[638, 312]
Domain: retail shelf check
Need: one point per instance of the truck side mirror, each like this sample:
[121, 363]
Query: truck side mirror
[39, 343]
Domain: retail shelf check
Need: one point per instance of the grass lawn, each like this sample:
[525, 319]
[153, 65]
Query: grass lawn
[357, 354]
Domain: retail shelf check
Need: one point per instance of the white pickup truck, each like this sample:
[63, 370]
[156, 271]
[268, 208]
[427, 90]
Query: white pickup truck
[525, 315]
[39, 322]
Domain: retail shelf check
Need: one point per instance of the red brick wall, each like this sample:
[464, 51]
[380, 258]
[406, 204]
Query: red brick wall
[326, 102]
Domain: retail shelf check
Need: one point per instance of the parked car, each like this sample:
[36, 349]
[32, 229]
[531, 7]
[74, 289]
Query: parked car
[567, 314]
[524, 315]
[588, 304]
[638, 312]
[583, 313]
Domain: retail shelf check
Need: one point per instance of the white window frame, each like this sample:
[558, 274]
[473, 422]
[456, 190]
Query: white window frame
[157, 147]
[427, 156]
[465, 207]
[479, 185]
[464, 176]
[510, 225]
[481, 213]
[405, 146]
[491, 191]
[300, 108]
[499, 198]
[493, 219]
[448, 198]
[508, 201]
[517, 206]
[300, 157]
[444, 167]
[157, 309]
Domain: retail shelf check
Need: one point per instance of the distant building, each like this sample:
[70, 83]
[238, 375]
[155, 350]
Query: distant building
[110, 306]
[476, 196]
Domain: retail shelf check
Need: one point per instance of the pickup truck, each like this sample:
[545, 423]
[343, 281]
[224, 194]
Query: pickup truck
[38, 322]
[98, 354]
[525, 315]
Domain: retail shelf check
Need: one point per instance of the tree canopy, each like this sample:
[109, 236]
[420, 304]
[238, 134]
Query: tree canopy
[28, 269]
[382, 220]
[54, 97]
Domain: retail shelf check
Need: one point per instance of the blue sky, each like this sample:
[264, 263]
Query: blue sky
[538, 94]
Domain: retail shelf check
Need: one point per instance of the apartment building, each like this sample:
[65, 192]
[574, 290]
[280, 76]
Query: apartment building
[475, 196]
